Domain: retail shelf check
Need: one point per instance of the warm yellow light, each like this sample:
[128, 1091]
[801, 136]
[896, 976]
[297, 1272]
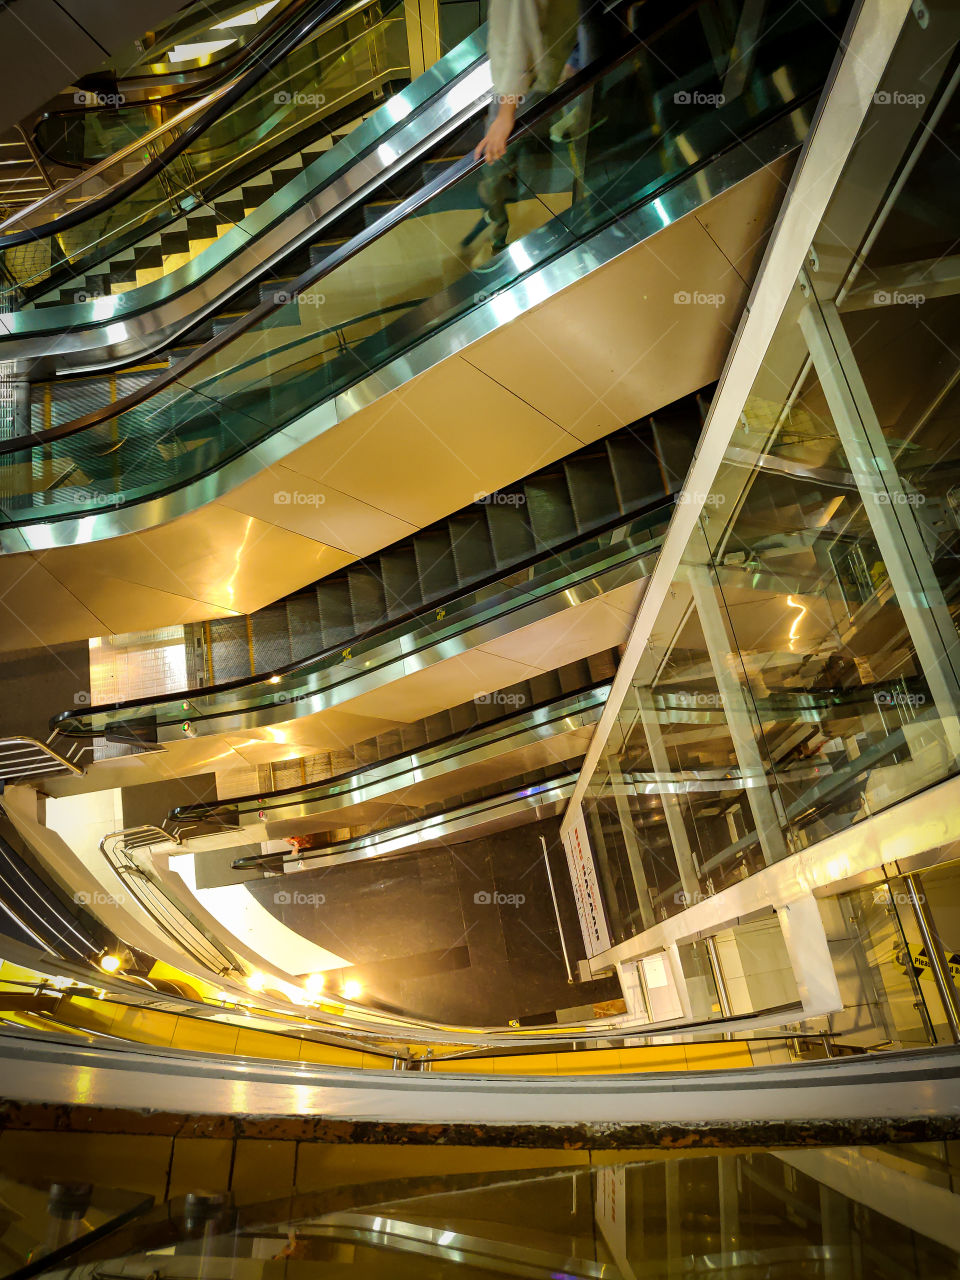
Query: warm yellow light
[352, 989]
[314, 984]
[110, 964]
[793, 604]
[274, 680]
[256, 981]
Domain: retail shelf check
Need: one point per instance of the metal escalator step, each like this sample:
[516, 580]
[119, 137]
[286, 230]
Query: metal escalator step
[462, 717]
[510, 534]
[436, 567]
[470, 542]
[270, 637]
[374, 210]
[303, 625]
[549, 509]
[401, 580]
[603, 665]
[366, 598]
[336, 615]
[636, 469]
[676, 430]
[545, 686]
[229, 649]
[593, 492]
[321, 248]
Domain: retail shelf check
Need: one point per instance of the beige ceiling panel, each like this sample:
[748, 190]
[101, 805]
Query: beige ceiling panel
[216, 556]
[294, 500]
[740, 229]
[446, 684]
[638, 333]
[576, 633]
[432, 446]
[123, 606]
[36, 609]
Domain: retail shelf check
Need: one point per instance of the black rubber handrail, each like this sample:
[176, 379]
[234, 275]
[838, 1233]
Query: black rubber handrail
[530, 119]
[215, 807]
[189, 84]
[319, 12]
[501, 571]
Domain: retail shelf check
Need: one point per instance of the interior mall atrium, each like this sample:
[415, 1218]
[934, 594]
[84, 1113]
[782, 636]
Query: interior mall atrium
[479, 603]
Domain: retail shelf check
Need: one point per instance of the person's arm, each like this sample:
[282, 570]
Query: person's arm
[513, 26]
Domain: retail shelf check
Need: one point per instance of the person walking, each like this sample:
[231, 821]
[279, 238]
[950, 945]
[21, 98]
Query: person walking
[529, 42]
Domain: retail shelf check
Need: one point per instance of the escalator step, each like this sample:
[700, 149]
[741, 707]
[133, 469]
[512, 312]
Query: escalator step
[229, 649]
[303, 625]
[549, 508]
[336, 616]
[471, 545]
[636, 469]
[270, 638]
[592, 489]
[676, 431]
[510, 533]
[401, 581]
[366, 598]
[545, 686]
[436, 567]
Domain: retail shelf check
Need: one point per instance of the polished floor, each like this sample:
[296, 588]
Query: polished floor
[830, 1214]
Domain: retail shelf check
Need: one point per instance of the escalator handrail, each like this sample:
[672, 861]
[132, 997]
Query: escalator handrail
[230, 686]
[215, 807]
[204, 80]
[320, 13]
[350, 249]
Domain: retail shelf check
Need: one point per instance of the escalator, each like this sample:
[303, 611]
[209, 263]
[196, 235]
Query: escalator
[301, 348]
[35, 912]
[566, 548]
[181, 60]
[170, 191]
[498, 734]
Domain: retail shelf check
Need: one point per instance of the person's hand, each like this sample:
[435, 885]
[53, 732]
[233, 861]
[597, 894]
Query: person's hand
[493, 144]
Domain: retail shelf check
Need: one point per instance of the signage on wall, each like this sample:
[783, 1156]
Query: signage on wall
[586, 887]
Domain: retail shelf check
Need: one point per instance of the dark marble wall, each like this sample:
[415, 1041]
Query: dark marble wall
[463, 934]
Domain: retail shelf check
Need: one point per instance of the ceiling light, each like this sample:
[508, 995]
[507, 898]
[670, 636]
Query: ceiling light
[352, 989]
[110, 963]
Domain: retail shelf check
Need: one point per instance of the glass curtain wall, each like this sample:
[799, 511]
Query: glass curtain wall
[804, 671]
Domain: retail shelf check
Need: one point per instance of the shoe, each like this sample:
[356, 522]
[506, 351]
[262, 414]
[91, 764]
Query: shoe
[574, 125]
[488, 257]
